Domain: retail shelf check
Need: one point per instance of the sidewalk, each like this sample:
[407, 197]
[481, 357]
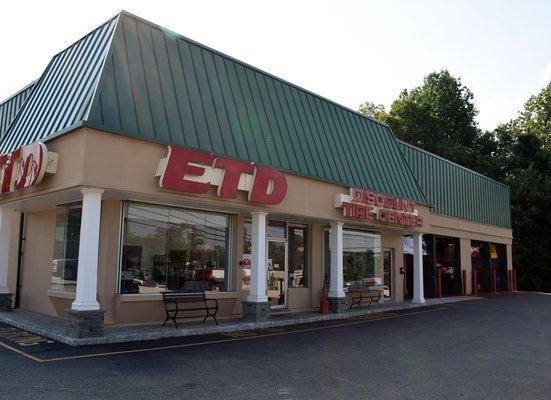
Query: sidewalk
[54, 327]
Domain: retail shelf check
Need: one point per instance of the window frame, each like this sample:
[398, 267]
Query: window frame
[326, 246]
[229, 280]
[67, 207]
[290, 244]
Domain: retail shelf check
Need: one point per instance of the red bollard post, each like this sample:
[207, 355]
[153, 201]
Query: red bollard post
[515, 280]
[464, 282]
[475, 281]
[494, 281]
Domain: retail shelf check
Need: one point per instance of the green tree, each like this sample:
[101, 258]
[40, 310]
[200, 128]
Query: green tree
[523, 160]
[438, 116]
[373, 110]
[536, 117]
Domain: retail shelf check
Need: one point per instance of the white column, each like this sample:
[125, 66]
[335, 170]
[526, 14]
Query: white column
[258, 266]
[5, 236]
[336, 280]
[87, 277]
[418, 290]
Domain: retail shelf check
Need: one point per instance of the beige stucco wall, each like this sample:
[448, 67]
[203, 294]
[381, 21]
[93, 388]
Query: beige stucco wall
[11, 260]
[125, 168]
[465, 256]
[396, 243]
[36, 271]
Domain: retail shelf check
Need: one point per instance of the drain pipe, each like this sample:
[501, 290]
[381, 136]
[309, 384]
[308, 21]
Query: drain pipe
[20, 259]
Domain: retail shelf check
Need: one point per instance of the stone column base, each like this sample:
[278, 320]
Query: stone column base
[84, 324]
[337, 304]
[5, 301]
[257, 312]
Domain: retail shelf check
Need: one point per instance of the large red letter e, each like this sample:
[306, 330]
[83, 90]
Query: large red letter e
[177, 166]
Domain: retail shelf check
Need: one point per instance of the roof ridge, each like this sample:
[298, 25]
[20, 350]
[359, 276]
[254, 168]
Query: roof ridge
[224, 55]
[100, 72]
[86, 35]
[450, 162]
[58, 66]
[28, 85]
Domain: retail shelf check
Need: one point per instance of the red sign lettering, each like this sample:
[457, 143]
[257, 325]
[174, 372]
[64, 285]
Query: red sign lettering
[231, 175]
[194, 172]
[368, 206]
[269, 186]
[23, 167]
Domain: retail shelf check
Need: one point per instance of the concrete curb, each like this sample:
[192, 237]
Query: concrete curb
[54, 328]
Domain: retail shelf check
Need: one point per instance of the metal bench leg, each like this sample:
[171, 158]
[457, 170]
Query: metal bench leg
[208, 310]
[357, 302]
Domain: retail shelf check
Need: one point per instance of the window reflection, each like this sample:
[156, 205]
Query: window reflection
[362, 258]
[298, 271]
[66, 247]
[174, 249]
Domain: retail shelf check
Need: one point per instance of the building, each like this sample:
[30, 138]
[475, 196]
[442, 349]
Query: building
[142, 161]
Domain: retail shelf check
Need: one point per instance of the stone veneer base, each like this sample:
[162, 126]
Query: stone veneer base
[5, 301]
[337, 304]
[256, 312]
[84, 324]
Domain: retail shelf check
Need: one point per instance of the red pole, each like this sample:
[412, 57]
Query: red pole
[474, 281]
[515, 279]
[494, 283]
[439, 276]
[464, 282]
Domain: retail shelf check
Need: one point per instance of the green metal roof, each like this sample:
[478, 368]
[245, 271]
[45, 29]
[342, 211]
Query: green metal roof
[457, 191]
[134, 78]
[11, 106]
[62, 96]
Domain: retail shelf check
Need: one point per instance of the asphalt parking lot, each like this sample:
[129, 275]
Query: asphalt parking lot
[495, 348]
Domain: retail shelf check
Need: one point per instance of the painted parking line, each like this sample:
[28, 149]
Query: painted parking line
[234, 337]
[239, 334]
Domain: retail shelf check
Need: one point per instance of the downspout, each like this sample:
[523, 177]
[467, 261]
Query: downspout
[20, 259]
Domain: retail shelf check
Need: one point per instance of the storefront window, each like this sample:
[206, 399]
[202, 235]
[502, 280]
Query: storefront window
[66, 242]
[298, 250]
[169, 248]
[296, 245]
[362, 258]
[247, 250]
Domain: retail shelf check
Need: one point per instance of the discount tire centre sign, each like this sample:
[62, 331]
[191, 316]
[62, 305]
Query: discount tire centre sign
[370, 206]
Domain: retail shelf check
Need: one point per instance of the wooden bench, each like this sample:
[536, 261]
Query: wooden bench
[363, 293]
[175, 304]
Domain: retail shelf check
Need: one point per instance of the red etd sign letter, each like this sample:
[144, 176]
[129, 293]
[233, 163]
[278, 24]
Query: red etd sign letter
[32, 165]
[178, 165]
[7, 168]
[230, 179]
[263, 176]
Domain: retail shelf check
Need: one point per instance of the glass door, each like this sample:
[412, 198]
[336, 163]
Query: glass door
[387, 272]
[277, 272]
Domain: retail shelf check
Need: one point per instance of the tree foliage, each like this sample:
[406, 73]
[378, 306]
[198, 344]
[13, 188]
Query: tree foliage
[373, 110]
[440, 116]
[524, 159]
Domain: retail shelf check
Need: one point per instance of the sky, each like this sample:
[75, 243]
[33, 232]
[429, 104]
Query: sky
[347, 51]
